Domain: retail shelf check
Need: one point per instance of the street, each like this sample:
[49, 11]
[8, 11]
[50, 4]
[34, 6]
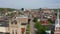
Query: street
[32, 27]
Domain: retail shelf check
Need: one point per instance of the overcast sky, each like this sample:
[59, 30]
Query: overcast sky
[29, 3]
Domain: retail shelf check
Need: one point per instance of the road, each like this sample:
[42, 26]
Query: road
[32, 27]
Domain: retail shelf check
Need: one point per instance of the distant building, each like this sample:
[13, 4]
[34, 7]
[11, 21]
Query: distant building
[15, 25]
[44, 22]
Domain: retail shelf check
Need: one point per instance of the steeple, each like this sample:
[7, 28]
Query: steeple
[58, 17]
[57, 24]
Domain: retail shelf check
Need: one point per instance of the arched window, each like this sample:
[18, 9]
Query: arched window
[14, 22]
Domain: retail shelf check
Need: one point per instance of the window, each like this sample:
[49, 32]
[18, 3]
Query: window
[22, 33]
[23, 23]
[22, 30]
[14, 22]
[11, 22]
[7, 33]
[16, 32]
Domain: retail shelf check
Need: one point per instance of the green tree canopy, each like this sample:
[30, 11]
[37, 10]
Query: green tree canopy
[35, 19]
[40, 29]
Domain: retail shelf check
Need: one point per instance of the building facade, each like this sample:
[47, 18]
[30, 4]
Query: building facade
[15, 25]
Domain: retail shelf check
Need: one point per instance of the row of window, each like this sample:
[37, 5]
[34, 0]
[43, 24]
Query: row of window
[15, 22]
[16, 32]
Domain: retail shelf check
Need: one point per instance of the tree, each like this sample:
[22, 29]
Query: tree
[40, 9]
[41, 32]
[50, 21]
[35, 19]
[22, 9]
[40, 28]
[1, 9]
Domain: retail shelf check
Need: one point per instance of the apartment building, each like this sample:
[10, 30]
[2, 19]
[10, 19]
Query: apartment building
[15, 25]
